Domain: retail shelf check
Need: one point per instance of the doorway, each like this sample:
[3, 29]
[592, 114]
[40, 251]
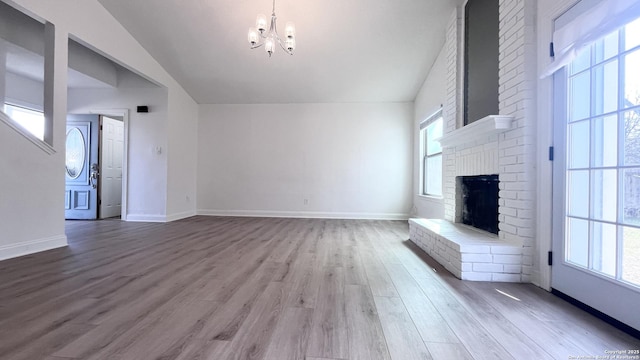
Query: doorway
[96, 182]
[81, 167]
[111, 155]
[121, 115]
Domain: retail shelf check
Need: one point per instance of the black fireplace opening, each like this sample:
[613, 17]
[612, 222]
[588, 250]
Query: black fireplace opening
[480, 202]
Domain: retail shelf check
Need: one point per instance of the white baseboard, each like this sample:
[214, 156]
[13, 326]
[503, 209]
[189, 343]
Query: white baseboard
[146, 218]
[160, 218]
[31, 247]
[304, 214]
[182, 215]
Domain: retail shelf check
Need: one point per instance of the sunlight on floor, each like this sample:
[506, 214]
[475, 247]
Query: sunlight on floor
[507, 295]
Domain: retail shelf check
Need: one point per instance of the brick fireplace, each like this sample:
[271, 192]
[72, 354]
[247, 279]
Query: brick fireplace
[502, 145]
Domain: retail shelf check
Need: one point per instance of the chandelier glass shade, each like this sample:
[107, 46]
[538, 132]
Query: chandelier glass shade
[269, 38]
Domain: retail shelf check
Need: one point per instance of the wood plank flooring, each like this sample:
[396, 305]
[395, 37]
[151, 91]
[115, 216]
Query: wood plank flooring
[257, 288]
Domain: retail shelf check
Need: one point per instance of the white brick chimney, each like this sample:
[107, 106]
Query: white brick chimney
[510, 154]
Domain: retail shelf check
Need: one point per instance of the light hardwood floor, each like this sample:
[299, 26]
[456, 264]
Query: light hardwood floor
[255, 288]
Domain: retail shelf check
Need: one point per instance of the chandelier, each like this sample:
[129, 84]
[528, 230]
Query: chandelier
[259, 35]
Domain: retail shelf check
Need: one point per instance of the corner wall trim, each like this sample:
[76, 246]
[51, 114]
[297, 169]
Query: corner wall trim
[304, 214]
[32, 246]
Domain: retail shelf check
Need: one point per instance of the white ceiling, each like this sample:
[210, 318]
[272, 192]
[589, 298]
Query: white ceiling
[347, 50]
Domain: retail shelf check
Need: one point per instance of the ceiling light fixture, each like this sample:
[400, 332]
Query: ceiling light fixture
[259, 35]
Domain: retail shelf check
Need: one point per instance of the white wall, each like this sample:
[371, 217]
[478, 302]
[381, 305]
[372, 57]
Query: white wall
[31, 211]
[429, 99]
[31, 204]
[31, 201]
[147, 179]
[182, 164]
[24, 91]
[86, 61]
[347, 160]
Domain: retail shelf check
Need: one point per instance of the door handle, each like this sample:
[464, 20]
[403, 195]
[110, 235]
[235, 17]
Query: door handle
[95, 171]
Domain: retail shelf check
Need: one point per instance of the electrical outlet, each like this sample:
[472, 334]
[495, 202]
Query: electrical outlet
[306, 201]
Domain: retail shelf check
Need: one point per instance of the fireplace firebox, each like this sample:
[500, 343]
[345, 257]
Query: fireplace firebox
[479, 202]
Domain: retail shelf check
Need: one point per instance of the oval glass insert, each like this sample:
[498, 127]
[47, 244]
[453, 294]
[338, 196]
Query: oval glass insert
[76, 151]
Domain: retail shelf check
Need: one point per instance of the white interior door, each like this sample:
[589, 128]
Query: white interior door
[597, 177]
[111, 160]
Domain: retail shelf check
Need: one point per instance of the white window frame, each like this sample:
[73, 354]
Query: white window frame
[425, 155]
[612, 267]
[26, 28]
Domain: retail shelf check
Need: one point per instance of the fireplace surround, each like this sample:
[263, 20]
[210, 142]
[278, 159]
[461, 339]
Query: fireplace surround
[495, 252]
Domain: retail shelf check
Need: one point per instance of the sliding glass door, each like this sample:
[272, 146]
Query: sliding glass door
[597, 176]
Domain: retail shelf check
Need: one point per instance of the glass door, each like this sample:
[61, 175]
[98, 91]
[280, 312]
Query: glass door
[597, 176]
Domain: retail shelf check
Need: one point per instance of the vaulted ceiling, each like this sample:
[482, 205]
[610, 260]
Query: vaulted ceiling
[347, 50]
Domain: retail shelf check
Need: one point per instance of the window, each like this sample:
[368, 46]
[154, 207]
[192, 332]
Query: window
[603, 157]
[24, 42]
[431, 154]
[30, 120]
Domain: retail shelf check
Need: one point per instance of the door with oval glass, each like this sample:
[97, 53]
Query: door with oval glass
[81, 167]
